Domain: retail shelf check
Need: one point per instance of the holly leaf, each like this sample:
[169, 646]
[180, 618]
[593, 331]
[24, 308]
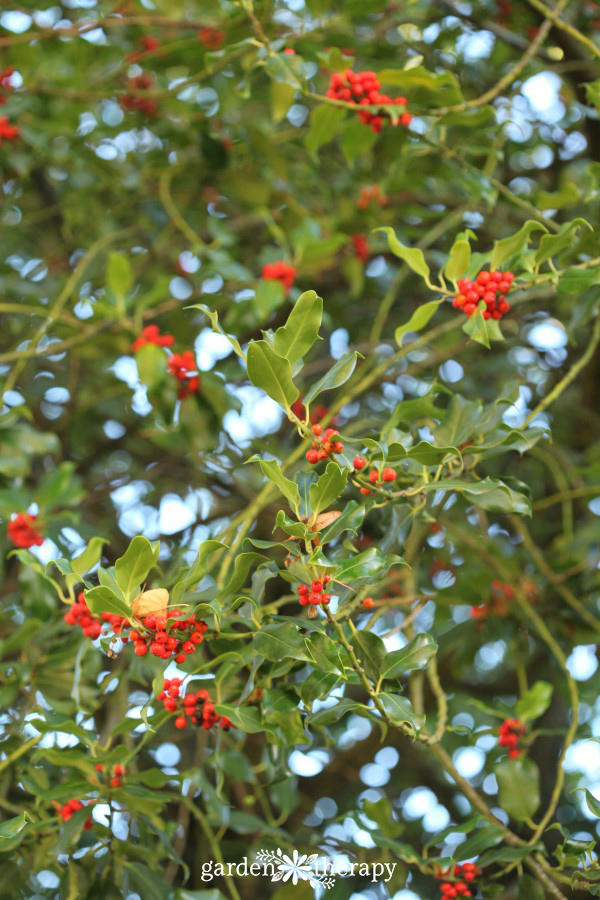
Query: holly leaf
[271, 373]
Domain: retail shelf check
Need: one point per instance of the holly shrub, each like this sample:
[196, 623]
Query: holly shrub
[299, 480]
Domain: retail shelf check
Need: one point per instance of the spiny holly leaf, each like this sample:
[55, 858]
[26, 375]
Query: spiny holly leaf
[412, 256]
[512, 248]
[415, 655]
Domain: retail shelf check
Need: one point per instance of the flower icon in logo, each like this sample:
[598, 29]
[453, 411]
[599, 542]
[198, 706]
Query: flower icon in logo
[297, 867]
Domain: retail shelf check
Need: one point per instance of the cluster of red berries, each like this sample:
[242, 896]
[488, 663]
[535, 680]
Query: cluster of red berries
[313, 594]
[67, 812]
[371, 194]
[148, 44]
[490, 287]
[498, 604]
[361, 247]
[318, 413]
[116, 779]
[466, 872]
[511, 731]
[22, 531]
[151, 335]
[280, 271]
[363, 89]
[79, 614]
[162, 637]
[181, 365]
[8, 132]
[211, 38]
[197, 707]
[324, 446]
[387, 476]
[133, 101]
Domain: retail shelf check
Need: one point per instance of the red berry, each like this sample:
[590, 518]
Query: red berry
[119, 770]
[368, 603]
[317, 430]
[303, 589]
[388, 475]
[181, 722]
[359, 463]
[303, 599]
[189, 648]
[115, 782]
[316, 587]
[374, 476]
[312, 456]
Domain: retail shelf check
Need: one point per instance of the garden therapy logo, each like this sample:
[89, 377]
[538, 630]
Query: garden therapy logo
[296, 868]
[317, 870]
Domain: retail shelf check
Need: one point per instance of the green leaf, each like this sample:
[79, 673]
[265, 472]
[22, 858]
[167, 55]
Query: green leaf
[119, 275]
[415, 655]
[486, 836]
[489, 493]
[365, 565]
[351, 519]
[535, 701]
[101, 599]
[132, 569]
[577, 281]
[324, 124]
[90, 556]
[289, 489]
[458, 261]
[418, 320]
[152, 365]
[324, 653]
[477, 327]
[512, 247]
[371, 651]
[247, 718]
[280, 641]
[424, 87]
[553, 244]
[333, 714]
[530, 889]
[12, 827]
[271, 373]
[294, 339]
[518, 787]
[241, 567]
[412, 256]
[197, 571]
[281, 96]
[328, 487]
[338, 375]
[290, 526]
[399, 710]
[593, 804]
[318, 685]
